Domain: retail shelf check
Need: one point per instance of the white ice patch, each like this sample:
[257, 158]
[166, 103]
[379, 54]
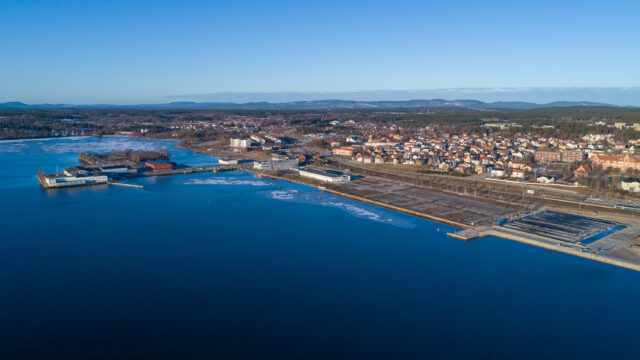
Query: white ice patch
[358, 211]
[12, 147]
[226, 181]
[283, 194]
[106, 145]
[353, 209]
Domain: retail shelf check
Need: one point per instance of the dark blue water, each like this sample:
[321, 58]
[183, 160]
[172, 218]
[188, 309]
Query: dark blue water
[230, 266]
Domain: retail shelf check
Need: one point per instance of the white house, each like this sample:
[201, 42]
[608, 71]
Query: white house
[546, 180]
[517, 173]
[227, 162]
[241, 143]
[632, 185]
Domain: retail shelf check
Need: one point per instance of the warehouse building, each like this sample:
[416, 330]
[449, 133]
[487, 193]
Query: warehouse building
[160, 165]
[52, 181]
[326, 176]
[275, 165]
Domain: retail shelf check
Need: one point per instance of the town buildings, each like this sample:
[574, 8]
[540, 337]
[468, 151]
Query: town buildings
[567, 156]
[547, 156]
[622, 162]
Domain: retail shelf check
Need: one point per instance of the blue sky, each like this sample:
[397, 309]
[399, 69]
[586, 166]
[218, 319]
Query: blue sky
[148, 51]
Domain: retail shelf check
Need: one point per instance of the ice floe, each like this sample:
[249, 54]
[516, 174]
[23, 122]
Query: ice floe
[227, 181]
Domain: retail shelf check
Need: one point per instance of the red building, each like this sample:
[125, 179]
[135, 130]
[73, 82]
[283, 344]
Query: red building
[547, 156]
[160, 165]
[572, 156]
[582, 171]
[564, 156]
[344, 151]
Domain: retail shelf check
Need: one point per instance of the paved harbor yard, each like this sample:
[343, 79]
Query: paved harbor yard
[459, 209]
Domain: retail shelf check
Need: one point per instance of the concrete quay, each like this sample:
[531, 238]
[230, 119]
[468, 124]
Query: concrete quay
[619, 255]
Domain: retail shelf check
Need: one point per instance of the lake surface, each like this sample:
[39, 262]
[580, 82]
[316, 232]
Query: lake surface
[233, 266]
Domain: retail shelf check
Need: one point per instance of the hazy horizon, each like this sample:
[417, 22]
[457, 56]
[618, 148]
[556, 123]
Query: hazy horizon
[629, 96]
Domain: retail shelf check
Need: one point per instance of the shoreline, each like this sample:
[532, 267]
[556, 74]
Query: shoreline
[530, 239]
[364, 200]
[524, 238]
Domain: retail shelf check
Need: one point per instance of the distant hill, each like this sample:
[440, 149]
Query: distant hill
[13, 105]
[314, 105]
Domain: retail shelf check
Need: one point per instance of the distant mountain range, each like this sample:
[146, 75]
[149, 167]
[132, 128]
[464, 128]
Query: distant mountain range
[314, 105]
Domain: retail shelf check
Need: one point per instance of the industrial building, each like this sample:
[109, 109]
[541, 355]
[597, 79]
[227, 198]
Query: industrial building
[326, 176]
[115, 169]
[56, 180]
[160, 165]
[108, 168]
[275, 165]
